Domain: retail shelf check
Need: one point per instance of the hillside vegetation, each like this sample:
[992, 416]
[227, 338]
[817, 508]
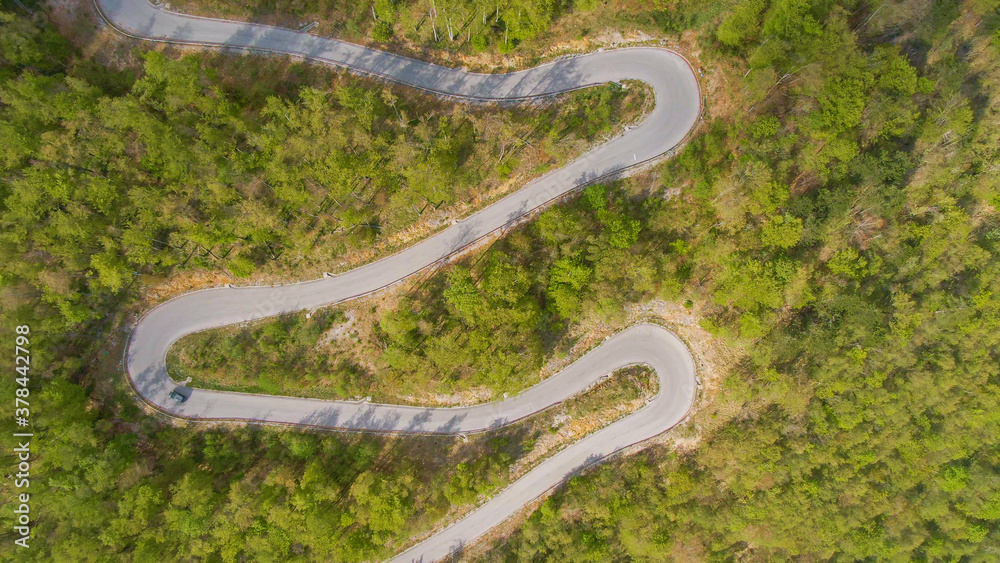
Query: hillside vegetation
[846, 229]
[839, 224]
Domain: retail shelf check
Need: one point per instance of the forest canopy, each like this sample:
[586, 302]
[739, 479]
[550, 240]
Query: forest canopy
[837, 221]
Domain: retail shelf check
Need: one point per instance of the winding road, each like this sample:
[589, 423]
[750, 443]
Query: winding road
[677, 108]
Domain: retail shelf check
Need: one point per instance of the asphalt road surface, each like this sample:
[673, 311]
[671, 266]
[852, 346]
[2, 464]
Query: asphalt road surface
[677, 108]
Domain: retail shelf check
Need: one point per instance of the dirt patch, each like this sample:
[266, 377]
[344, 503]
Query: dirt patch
[65, 13]
[338, 331]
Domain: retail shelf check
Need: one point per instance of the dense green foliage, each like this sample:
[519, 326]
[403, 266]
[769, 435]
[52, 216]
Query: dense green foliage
[97, 185]
[479, 23]
[849, 228]
[144, 493]
[165, 171]
[844, 231]
[467, 27]
[490, 321]
[93, 162]
[494, 323]
[278, 357]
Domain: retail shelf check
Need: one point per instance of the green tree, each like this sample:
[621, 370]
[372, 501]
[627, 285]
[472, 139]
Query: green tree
[782, 231]
[742, 25]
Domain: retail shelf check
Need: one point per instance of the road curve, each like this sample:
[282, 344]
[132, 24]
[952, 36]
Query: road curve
[677, 108]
